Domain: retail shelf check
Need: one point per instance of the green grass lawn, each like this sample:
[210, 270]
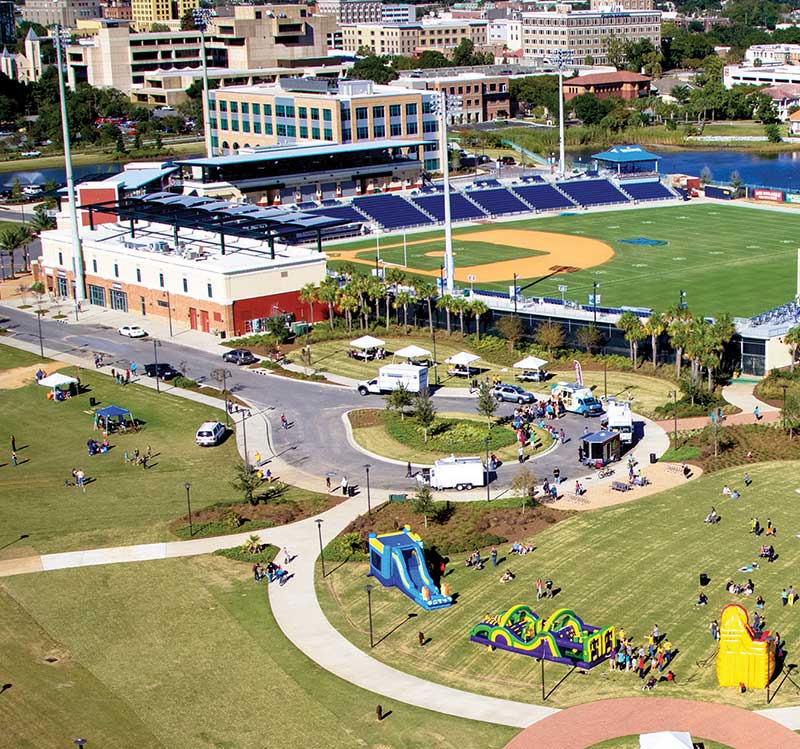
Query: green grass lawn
[10, 358]
[633, 565]
[182, 653]
[727, 258]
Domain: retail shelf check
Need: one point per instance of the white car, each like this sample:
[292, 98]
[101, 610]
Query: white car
[210, 433]
[131, 331]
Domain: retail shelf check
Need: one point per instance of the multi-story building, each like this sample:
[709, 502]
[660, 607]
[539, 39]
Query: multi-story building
[772, 54]
[505, 33]
[607, 5]
[314, 111]
[761, 75]
[8, 23]
[147, 12]
[25, 66]
[586, 32]
[622, 84]
[483, 97]
[257, 43]
[63, 12]
[367, 11]
[440, 34]
[118, 10]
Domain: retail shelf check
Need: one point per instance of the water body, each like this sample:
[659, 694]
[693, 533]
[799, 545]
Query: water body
[771, 169]
[57, 174]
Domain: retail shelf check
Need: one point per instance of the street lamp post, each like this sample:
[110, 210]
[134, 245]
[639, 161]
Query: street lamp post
[488, 472]
[244, 438]
[156, 344]
[61, 37]
[169, 313]
[369, 588]
[367, 466]
[445, 104]
[515, 294]
[202, 17]
[563, 57]
[783, 410]
[189, 507]
[318, 521]
[674, 395]
[39, 323]
[435, 363]
[594, 301]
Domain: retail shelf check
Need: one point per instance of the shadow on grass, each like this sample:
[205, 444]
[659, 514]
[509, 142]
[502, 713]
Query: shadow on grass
[411, 615]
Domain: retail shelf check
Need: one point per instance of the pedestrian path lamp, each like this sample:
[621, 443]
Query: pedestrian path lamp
[318, 521]
[488, 471]
[367, 466]
[202, 18]
[188, 487]
[369, 588]
[674, 394]
[156, 346]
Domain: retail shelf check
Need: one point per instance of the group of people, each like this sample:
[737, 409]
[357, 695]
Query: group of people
[137, 458]
[756, 528]
[788, 597]
[655, 658]
[94, 447]
[78, 479]
[474, 561]
[767, 551]
[520, 548]
[732, 493]
[740, 590]
[123, 378]
[272, 572]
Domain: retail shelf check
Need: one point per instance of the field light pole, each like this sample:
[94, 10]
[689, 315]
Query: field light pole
[596, 286]
[515, 295]
[369, 588]
[445, 104]
[156, 344]
[318, 521]
[488, 472]
[202, 17]
[61, 38]
[563, 57]
[367, 466]
[189, 507]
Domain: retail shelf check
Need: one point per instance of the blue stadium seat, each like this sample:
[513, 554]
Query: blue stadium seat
[391, 211]
[348, 188]
[647, 191]
[306, 205]
[341, 211]
[498, 201]
[328, 190]
[593, 192]
[543, 197]
[532, 179]
[460, 208]
[486, 183]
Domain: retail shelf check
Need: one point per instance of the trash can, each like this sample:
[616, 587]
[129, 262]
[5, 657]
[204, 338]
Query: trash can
[704, 579]
[653, 458]
[92, 401]
[351, 491]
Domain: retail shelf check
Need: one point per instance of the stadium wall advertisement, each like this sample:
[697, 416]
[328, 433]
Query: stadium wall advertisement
[792, 197]
[774, 196]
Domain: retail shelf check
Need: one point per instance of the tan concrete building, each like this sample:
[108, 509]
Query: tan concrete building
[586, 32]
[147, 12]
[440, 34]
[63, 12]
[623, 84]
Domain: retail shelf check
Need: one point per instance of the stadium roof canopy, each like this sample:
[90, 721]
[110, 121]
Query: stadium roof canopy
[626, 155]
[217, 216]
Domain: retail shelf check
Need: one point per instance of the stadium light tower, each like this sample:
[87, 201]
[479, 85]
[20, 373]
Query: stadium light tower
[446, 104]
[202, 18]
[61, 38]
[562, 59]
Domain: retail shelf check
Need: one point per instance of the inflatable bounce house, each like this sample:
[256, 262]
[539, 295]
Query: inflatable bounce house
[563, 637]
[743, 657]
[398, 560]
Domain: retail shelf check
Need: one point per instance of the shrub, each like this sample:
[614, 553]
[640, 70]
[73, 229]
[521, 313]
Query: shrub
[266, 555]
[184, 382]
[231, 519]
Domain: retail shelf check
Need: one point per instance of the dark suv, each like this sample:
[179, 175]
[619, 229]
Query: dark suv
[165, 371]
[239, 356]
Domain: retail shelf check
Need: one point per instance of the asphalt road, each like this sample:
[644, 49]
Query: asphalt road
[315, 441]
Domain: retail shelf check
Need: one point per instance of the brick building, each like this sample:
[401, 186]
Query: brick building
[625, 85]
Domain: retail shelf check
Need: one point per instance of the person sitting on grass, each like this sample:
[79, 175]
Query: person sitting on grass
[712, 516]
[760, 602]
[702, 599]
[507, 576]
[649, 684]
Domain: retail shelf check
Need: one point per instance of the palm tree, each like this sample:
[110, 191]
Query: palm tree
[328, 293]
[377, 291]
[427, 291]
[446, 303]
[792, 340]
[460, 306]
[654, 326]
[722, 330]
[11, 239]
[678, 321]
[631, 325]
[478, 309]
[308, 295]
[403, 299]
[348, 301]
[359, 286]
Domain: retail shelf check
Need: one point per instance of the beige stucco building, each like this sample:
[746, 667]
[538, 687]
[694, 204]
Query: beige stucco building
[147, 12]
[439, 34]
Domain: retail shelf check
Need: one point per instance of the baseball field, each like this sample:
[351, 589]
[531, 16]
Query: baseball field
[727, 258]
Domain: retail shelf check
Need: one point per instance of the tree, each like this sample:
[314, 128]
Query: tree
[463, 54]
[792, 339]
[41, 221]
[678, 321]
[705, 175]
[736, 180]
[510, 327]
[446, 303]
[790, 413]
[16, 190]
[549, 335]
[403, 299]
[399, 400]
[589, 337]
[773, 133]
[523, 485]
[630, 324]
[615, 51]
[187, 21]
[536, 91]
[589, 109]
[159, 27]
[246, 480]
[460, 306]
[588, 60]
[478, 309]
[427, 291]
[308, 295]
[486, 403]
[424, 412]
[765, 109]
[12, 239]
[423, 503]
[373, 68]
[654, 326]
[327, 293]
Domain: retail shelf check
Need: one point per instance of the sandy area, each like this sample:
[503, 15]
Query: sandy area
[561, 250]
[21, 376]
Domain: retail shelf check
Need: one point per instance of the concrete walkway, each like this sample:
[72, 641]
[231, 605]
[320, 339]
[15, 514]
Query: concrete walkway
[741, 394]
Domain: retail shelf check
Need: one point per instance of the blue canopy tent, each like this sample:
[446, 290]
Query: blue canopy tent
[628, 160]
[113, 417]
[601, 448]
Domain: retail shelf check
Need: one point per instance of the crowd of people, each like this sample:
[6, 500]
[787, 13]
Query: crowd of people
[651, 660]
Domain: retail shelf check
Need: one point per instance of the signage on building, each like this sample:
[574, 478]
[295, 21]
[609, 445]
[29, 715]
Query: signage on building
[792, 197]
[776, 196]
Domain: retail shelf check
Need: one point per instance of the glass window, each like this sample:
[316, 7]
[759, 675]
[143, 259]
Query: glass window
[411, 110]
[257, 127]
[280, 129]
[397, 130]
[268, 109]
[235, 126]
[116, 270]
[291, 131]
[256, 109]
[185, 285]
[290, 110]
[223, 124]
[138, 275]
[346, 136]
[327, 115]
[379, 131]
[394, 110]
[302, 112]
[377, 113]
[94, 266]
[208, 289]
[245, 126]
[161, 280]
[314, 113]
[280, 110]
[328, 134]
[268, 128]
[411, 128]
[362, 133]
[345, 114]
[361, 113]
[245, 108]
[223, 106]
[315, 133]
[303, 131]
[234, 106]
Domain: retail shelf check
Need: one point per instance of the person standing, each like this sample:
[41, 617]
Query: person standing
[344, 486]
[13, 457]
[133, 368]
[494, 556]
[408, 470]
[13, 444]
[328, 484]
[756, 414]
[521, 454]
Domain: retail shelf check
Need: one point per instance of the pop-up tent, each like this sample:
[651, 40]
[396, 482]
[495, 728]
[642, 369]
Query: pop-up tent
[530, 362]
[462, 359]
[412, 352]
[367, 342]
[666, 740]
[60, 385]
[111, 417]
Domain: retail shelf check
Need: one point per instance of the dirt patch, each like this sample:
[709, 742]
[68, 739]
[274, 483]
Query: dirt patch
[18, 377]
[366, 417]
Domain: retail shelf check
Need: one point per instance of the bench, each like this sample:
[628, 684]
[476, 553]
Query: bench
[398, 497]
[619, 486]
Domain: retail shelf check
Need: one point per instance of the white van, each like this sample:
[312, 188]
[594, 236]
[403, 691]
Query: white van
[209, 434]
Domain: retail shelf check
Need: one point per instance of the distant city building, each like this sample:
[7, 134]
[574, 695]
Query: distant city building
[784, 97]
[762, 75]
[118, 10]
[772, 54]
[8, 22]
[610, 7]
[506, 33]
[623, 84]
[147, 12]
[63, 12]
[367, 11]
[440, 34]
[25, 66]
[585, 32]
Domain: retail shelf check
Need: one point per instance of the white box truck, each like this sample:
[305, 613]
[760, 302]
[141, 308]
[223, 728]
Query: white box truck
[391, 376]
[577, 398]
[618, 416]
[457, 473]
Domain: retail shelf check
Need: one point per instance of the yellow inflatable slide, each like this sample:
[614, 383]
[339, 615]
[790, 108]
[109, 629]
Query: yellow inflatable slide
[743, 657]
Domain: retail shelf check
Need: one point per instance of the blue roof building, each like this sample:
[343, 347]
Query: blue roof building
[628, 159]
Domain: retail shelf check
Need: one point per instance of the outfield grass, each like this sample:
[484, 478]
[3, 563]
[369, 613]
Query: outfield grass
[633, 565]
[727, 258]
[183, 653]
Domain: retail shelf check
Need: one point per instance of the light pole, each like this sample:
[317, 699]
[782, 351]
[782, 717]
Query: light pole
[435, 363]
[244, 439]
[783, 410]
[189, 507]
[488, 472]
[169, 313]
[318, 521]
[367, 466]
[563, 57]
[156, 344]
[596, 286]
[39, 323]
[515, 294]
[563, 289]
[369, 588]
[445, 104]
[61, 36]
[674, 394]
[202, 17]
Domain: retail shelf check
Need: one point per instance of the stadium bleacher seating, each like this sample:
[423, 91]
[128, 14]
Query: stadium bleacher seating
[391, 211]
[543, 197]
[593, 192]
[341, 211]
[498, 201]
[486, 183]
[460, 208]
[348, 189]
[306, 205]
[328, 190]
[308, 192]
[532, 179]
[647, 190]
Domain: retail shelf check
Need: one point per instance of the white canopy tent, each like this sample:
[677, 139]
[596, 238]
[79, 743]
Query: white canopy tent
[367, 342]
[666, 740]
[412, 352]
[462, 359]
[530, 362]
[57, 380]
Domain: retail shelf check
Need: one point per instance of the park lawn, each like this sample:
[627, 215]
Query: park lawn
[11, 358]
[632, 565]
[452, 434]
[728, 258]
[183, 653]
[739, 128]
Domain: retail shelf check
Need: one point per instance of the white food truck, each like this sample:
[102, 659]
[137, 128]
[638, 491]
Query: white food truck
[391, 376]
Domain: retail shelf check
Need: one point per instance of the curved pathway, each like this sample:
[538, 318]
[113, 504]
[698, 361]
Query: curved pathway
[585, 725]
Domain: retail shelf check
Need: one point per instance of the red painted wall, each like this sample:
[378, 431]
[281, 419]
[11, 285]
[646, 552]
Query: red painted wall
[89, 195]
[251, 309]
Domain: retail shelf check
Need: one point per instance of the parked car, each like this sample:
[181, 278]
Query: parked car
[239, 356]
[210, 433]
[165, 371]
[512, 394]
[508, 160]
[131, 331]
